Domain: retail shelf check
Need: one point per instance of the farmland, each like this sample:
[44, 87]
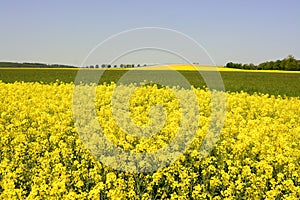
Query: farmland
[256, 156]
[273, 83]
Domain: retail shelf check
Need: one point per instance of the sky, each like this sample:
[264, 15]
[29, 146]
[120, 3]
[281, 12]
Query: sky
[65, 32]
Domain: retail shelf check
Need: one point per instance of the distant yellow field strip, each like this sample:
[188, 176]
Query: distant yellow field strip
[207, 68]
[164, 67]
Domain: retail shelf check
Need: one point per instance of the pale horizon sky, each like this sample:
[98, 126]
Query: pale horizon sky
[64, 32]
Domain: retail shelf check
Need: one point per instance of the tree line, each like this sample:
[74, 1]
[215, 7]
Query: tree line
[32, 65]
[289, 63]
[115, 66]
[42, 65]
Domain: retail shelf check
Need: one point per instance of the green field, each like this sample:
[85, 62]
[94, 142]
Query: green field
[262, 82]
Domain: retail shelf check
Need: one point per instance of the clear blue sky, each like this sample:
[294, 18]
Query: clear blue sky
[53, 31]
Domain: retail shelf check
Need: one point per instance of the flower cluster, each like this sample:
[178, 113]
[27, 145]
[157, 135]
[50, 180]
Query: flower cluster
[42, 155]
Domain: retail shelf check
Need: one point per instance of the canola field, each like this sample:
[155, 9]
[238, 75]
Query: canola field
[43, 157]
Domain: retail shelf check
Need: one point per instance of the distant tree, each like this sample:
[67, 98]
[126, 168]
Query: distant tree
[252, 66]
[270, 65]
[277, 65]
[229, 65]
[265, 66]
[96, 66]
[259, 67]
[290, 63]
[108, 66]
[246, 66]
[239, 65]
